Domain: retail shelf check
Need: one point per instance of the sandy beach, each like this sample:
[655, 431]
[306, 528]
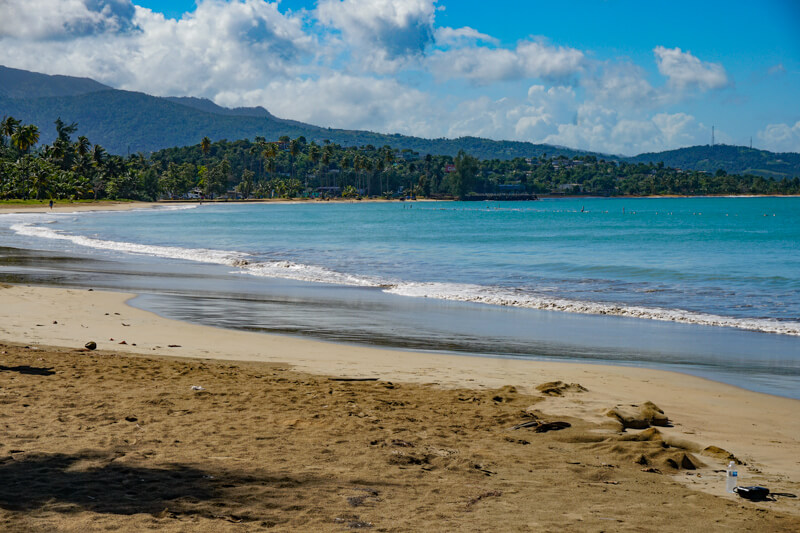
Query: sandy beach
[286, 434]
[111, 205]
[70, 207]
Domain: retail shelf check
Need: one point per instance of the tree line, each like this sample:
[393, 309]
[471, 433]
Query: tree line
[74, 168]
[69, 169]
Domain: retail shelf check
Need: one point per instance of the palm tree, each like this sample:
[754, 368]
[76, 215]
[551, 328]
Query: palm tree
[258, 147]
[345, 162]
[326, 160]
[98, 155]
[270, 152]
[65, 131]
[205, 145]
[82, 146]
[294, 150]
[314, 155]
[270, 167]
[368, 165]
[8, 127]
[25, 137]
[359, 164]
[380, 166]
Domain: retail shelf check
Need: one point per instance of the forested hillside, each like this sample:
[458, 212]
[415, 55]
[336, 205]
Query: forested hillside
[126, 122]
[130, 122]
[76, 168]
[732, 159]
[16, 83]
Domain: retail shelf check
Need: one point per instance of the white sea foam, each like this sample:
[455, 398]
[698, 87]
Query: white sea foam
[239, 260]
[171, 252]
[509, 297]
[301, 272]
[482, 294]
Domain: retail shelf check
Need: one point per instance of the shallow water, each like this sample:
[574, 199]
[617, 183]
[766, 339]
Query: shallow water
[421, 277]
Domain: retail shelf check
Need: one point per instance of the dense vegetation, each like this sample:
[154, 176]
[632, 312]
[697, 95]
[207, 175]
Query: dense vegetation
[67, 168]
[732, 159]
[129, 122]
[287, 167]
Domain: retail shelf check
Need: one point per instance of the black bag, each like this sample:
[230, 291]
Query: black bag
[753, 493]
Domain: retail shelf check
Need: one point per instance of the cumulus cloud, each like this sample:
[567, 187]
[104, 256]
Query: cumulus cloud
[58, 19]
[346, 101]
[686, 71]
[530, 59]
[368, 64]
[622, 83]
[781, 137]
[603, 129]
[219, 46]
[395, 28]
[559, 115]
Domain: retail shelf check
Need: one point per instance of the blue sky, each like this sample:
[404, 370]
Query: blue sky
[611, 76]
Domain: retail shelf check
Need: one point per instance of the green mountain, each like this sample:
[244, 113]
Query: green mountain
[129, 122]
[125, 121]
[15, 83]
[204, 104]
[732, 159]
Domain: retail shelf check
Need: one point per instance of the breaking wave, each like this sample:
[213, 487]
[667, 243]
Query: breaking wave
[490, 295]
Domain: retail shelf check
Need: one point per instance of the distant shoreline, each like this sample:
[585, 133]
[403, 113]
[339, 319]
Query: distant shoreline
[110, 205]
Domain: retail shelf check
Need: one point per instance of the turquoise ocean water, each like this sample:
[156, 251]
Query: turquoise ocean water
[726, 269]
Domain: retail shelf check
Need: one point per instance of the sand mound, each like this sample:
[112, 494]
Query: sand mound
[639, 416]
[558, 388]
[720, 454]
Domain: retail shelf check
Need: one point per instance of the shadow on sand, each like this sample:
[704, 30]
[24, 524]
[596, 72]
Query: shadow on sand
[30, 370]
[95, 481]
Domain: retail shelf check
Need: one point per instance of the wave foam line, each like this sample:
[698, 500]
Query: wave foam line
[240, 260]
[171, 252]
[441, 291]
[511, 298]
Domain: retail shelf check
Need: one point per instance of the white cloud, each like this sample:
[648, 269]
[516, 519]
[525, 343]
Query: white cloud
[56, 19]
[530, 59]
[345, 101]
[606, 130]
[397, 28]
[776, 70]
[686, 71]
[559, 115]
[621, 83]
[462, 36]
[220, 46]
[334, 66]
[780, 137]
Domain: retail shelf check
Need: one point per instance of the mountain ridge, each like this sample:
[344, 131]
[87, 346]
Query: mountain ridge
[130, 122]
[18, 83]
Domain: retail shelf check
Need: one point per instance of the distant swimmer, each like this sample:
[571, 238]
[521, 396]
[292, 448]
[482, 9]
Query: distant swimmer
[582, 209]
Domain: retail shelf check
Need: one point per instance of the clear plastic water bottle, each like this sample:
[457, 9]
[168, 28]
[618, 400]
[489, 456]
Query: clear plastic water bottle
[731, 477]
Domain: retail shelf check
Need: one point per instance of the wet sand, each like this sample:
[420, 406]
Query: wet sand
[276, 440]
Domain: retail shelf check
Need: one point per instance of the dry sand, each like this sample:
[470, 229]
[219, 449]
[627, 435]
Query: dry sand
[70, 207]
[63, 206]
[109, 440]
